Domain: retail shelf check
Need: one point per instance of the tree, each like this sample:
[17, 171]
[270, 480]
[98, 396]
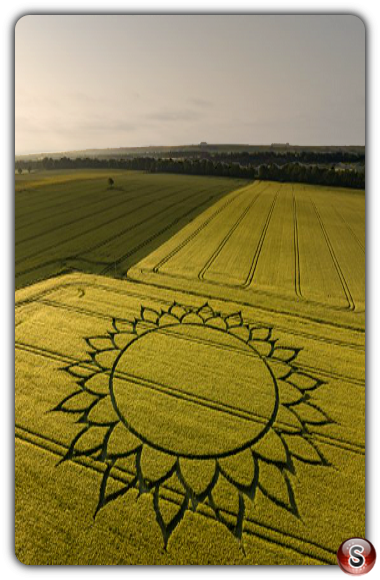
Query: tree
[29, 169]
[110, 182]
[19, 170]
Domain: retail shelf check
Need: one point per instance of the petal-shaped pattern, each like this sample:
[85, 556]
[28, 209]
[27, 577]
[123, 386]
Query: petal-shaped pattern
[106, 358]
[263, 347]
[100, 343]
[280, 369]
[286, 421]
[123, 339]
[225, 495]
[121, 441]
[206, 312]
[304, 381]
[111, 488]
[274, 483]
[310, 414]
[198, 474]
[99, 383]
[285, 354]
[301, 448]
[143, 326]
[168, 514]
[234, 319]
[76, 402]
[217, 322]
[167, 320]
[177, 311]
[81, 371]
[154, 464]
[192, 318]
[90, 440]
[103, 412]
[289, 394]
[260, 333]
[168, 510]
[149, 314]
[124, 326]
[239, 468]
[271, 447]
[241, 332]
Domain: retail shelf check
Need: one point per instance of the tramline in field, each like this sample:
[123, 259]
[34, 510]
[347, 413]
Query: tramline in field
[208, 406]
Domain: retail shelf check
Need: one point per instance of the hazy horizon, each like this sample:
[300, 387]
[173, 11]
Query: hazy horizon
[98, 82]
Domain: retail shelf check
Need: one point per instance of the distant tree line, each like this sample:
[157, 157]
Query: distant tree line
[269, 157]
[289, 172]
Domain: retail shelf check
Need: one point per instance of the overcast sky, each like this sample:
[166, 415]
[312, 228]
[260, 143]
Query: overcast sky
[114, 81]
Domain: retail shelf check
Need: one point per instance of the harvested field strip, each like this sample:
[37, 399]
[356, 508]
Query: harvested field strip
[275, 263]
[106, 198]
[245, 211]
[232, 259]
[288, 541]
[110, 246]
[107, 209]
[319, 276]
[115, 247]
[39, 253]
[53, 195]
[202, 221]
[106, 218]
[26, 184]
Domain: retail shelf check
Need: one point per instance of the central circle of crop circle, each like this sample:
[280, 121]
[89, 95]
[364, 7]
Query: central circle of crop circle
[193, 391]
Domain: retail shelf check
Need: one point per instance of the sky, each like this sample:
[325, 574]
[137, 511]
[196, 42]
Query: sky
[85, 82]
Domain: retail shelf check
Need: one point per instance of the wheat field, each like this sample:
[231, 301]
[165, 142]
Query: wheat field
[190, 367]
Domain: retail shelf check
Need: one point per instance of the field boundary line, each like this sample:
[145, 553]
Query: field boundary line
[66, 259]
[122, 258]
[144, 284]
[234, 195]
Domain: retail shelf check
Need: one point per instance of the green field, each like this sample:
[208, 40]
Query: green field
[190, 389]
[74, 220]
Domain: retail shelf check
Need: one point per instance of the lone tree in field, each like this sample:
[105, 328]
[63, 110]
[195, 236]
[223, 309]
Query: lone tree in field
[110, 182]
